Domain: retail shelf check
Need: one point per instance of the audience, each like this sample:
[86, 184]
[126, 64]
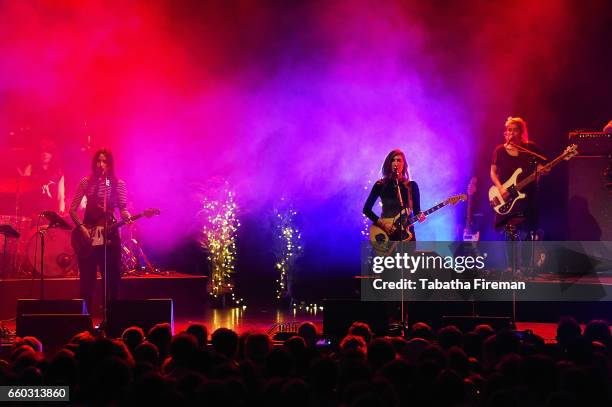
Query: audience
[446, 367]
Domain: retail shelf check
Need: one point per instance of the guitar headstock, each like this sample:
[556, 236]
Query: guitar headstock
[570, 152]
[471, 189]
[150, 212]
[453, 200]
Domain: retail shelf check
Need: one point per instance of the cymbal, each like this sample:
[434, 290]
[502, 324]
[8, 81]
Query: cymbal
[10, 185]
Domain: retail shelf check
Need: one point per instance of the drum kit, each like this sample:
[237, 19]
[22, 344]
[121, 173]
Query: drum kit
[21, 246]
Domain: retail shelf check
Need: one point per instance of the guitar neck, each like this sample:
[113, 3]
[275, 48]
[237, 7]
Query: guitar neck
[529, 179]
[468, 218]
[414, 219]
[123, 222]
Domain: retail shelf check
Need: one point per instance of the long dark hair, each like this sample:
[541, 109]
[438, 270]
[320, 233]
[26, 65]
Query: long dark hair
[110, 162]
[387, 171]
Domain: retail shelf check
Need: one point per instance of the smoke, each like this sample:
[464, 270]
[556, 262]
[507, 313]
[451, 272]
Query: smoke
[292, 100]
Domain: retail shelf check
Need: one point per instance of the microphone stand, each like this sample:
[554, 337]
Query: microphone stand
[105, 242]
[526, 150]
[513, 232]
[55, 221]
[403, 321]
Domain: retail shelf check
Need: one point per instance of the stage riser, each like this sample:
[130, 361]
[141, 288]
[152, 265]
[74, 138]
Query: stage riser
[339, 314]
[189, 294]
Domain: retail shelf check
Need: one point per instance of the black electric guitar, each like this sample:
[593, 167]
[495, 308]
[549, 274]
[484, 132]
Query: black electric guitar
[83, 246]
[400, 225]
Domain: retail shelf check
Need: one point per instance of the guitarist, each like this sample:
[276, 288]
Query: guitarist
[102, 190]
[506, 159]
[394, 171]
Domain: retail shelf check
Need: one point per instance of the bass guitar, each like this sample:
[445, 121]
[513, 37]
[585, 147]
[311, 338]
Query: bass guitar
[504, 204]
[401, 223]
[83, 246]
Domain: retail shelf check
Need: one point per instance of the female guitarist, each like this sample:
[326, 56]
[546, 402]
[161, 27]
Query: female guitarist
[395, 177]
[506, 159]
[104, 193]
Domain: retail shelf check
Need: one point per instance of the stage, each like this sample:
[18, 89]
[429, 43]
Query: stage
[192, 304]
[188, 292]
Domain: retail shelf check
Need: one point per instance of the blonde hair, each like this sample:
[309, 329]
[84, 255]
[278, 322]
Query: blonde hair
[522, 125]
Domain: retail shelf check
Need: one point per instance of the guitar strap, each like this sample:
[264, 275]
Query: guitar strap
[409, 191]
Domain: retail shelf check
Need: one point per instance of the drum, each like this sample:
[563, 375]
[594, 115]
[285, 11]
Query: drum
[14, 264]
[59, 260]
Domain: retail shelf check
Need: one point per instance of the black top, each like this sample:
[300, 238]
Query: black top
[386, 190]
[506, 165]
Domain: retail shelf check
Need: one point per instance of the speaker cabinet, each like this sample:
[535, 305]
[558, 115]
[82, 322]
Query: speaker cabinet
[35, 306]
[123, 314]
[589, 200]
[53, 322]
[468, 323]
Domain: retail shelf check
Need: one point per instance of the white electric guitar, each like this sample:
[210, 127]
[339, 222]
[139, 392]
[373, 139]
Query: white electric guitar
[468, 232]
[504, 204]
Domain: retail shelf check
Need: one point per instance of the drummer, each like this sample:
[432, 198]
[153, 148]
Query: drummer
[46, 176]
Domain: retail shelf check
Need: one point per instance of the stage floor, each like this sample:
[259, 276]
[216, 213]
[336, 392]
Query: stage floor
[191, 304]
[264, 319]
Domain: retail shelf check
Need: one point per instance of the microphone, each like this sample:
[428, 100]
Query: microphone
[55, 220]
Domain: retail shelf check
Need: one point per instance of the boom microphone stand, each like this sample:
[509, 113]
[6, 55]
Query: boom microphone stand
[55, 221]
[513, 233]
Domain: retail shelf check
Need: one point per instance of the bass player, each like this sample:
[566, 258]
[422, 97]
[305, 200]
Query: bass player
[506, 159]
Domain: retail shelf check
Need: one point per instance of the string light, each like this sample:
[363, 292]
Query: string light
[219, 229]
[365, 221]
[287, 249]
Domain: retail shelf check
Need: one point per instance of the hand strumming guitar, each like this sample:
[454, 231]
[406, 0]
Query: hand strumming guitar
[387, 226]
[85, 232]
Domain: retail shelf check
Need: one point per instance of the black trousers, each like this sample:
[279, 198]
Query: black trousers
[88, 268]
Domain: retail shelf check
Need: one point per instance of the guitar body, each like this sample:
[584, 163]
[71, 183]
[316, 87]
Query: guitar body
[468, 236]
[399, 234]
[384, 243]
[83, 247]
[504, 204]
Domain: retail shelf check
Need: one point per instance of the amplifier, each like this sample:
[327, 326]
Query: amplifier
[592, 144]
